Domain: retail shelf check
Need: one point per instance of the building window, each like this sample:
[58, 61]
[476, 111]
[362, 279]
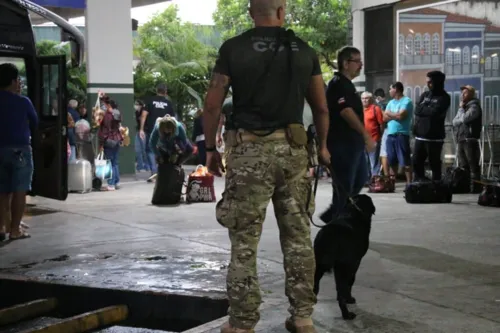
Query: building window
[487, 105]
[401, 44]
[494, 109]
[449, 57]
[417, 93]
[466, 55]
[435, 43]
[475, 54]
[427, 43]
[409, 45]
[409, 92]
[495, 63]
[418, 44]
[457, 56]
[487, 64]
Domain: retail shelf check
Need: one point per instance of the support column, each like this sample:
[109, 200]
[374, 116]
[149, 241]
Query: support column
[109, 63]
[358, 41]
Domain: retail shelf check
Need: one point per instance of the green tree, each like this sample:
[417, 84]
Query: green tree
[76, 76]
[322, 23]
[171, 52]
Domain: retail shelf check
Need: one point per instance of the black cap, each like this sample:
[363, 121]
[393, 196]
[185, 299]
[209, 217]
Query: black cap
[161, 87]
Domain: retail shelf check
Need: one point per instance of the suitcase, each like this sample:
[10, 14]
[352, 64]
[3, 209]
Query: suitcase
[169, 184]
[490, 196]
[382, 184]
[428, 192]
[458, 179]
[80, 176]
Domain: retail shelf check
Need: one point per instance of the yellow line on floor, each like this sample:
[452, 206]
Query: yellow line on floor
[86, 322]
[28, 310]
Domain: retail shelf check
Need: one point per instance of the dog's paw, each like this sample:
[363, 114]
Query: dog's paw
[350, 300]
[349, 316]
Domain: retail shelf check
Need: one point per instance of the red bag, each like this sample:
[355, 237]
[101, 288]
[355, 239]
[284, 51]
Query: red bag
[200, 187]
[382, 184]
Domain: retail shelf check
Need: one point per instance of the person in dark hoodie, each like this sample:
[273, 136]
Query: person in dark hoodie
[467, 125]
[428, 128]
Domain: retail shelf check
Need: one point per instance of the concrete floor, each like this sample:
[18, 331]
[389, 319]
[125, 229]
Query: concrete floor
[430, 268]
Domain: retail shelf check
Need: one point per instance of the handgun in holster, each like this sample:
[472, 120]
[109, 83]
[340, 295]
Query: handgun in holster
[312, 144]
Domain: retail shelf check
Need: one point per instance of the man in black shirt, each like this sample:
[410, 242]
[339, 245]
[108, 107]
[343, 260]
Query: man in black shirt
[156, 107]
[347, 138]
[271, 72]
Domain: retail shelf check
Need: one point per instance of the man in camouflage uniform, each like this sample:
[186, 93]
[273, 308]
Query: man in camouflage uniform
[270, 72]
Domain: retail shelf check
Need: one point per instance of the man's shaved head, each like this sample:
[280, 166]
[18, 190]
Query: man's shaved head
[268, 9]
[265, 7]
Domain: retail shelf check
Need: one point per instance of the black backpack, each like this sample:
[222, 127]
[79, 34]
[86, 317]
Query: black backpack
[458, 179]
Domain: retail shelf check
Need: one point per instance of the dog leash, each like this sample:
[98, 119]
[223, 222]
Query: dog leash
[336, 187]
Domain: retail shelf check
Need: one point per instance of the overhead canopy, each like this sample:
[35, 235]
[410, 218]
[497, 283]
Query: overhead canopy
[76, 8]
[80, 4]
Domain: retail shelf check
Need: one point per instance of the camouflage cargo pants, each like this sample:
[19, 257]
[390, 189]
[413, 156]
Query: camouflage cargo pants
[256, 173]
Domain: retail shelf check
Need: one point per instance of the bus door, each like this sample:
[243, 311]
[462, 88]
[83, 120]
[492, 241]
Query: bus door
[50, 179]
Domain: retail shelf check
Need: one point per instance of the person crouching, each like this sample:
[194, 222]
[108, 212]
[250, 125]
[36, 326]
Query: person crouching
[169, 142]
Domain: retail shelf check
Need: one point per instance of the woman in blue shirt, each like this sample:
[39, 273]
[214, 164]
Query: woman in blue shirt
[169, 141]
[18, 119]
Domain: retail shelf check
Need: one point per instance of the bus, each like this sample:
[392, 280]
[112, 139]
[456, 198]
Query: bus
[45, 82]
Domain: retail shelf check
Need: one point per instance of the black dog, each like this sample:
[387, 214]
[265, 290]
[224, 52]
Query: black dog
[340, 248]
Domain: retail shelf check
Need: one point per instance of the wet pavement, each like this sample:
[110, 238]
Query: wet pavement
[430, 268]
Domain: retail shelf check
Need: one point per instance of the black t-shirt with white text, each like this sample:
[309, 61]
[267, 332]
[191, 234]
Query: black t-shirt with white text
[157, 107]
[268, 91]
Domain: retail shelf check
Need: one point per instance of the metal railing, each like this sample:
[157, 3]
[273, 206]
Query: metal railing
[492, 73]
[463, 69]
[422, 59]
[489, 145]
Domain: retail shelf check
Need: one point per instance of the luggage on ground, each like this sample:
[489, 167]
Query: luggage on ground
[382, 184]
[169, 184]
[428, 192]
[200, 187]
[490, 196]
[103, 167]
[80, 176]
[458, 179]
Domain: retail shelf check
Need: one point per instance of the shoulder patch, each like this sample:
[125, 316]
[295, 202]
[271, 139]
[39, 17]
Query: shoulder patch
[341, 100]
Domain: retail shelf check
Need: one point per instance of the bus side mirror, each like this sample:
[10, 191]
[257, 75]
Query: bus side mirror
[75, 53]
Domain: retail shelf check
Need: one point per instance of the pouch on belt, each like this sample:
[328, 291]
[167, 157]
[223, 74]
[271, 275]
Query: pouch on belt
[296, 135]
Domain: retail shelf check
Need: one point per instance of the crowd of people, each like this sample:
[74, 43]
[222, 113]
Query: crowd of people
[391, 124]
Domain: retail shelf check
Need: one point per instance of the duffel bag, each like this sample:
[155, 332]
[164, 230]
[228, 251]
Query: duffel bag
[169, 185]
[490, 196]
[458, 179]
[428, 192]
[382, 184]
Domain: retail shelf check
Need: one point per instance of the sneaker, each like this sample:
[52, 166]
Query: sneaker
[152, 178]
[299, 325]
[118, 186]
[108, 188]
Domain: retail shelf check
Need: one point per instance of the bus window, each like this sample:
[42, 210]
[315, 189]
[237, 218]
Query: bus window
[50, 90]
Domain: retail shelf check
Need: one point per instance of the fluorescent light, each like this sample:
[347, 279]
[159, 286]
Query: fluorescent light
[411, 31]
[474, 56]
[454, 50]
[494, 55]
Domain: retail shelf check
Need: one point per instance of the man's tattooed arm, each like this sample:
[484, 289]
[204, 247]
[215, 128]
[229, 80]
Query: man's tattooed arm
[217, 91]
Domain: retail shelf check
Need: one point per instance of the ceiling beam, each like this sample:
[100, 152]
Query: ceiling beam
[69, 13]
